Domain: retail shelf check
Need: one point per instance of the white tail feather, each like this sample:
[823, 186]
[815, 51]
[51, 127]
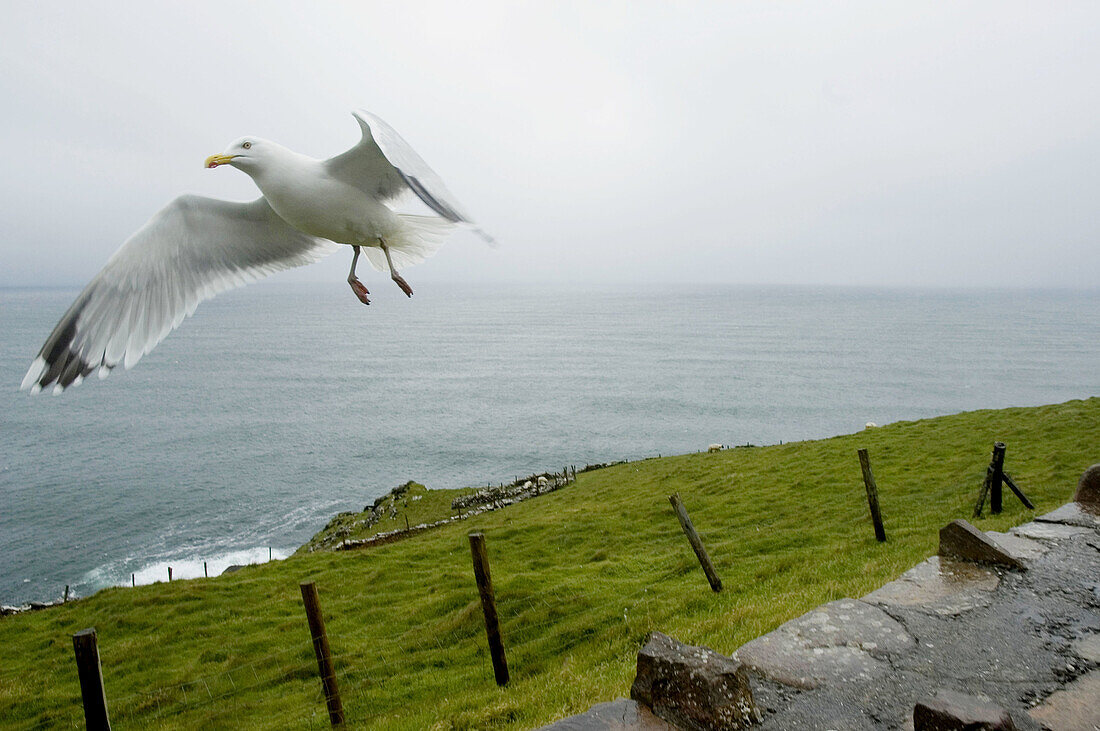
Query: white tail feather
[419, 238]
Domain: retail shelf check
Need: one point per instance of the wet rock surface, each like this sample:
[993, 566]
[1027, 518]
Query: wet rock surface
[837, 642]
[940, 586]
[1026, 645]
[617, 715]
[1072, 514]
[1018, 546]
[1077, 706]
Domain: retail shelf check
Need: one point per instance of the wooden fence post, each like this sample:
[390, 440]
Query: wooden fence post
[169, 573]
[489, 607]
[133, 581]
[204, 571]
[997, 465]
[324, 655]
[1019, 493]
[872, 495]
[696, 542]
[88, 670]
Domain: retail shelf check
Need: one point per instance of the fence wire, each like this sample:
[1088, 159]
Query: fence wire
[539, 615]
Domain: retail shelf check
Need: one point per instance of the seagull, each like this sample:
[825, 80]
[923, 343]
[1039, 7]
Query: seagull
[196, 247]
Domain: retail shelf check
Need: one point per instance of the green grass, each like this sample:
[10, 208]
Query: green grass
[581, 576]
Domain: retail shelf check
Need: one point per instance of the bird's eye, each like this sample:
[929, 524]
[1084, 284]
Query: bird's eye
[247, 145]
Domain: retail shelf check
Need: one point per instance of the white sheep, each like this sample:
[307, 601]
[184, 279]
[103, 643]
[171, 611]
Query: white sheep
[528, 485]
[543, 481]
[871, 425]
[714, 448]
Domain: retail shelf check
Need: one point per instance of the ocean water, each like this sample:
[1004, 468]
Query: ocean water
[278, 405]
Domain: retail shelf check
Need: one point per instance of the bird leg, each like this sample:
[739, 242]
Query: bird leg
[393, 272]
[357, 286]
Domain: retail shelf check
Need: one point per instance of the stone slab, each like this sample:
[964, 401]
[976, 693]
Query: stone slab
[948, 710]
[961, 540]
[1087, 648]
[1077, 706]
[1071, 514]
[1048, 531]
[939, 586]
[693, 688]
[837, 642]
[617, 715]
[1020, 547]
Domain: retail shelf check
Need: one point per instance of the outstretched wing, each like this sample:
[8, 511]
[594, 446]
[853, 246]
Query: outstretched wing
[188, 252]
[384, 165]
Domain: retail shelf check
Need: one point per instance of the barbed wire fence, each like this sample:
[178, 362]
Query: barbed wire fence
[529, 617]
[541, 616]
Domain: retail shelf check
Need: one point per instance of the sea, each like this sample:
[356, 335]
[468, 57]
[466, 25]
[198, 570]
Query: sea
[279, 405]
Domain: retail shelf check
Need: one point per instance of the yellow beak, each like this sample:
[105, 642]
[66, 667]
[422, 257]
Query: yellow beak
[215, 160]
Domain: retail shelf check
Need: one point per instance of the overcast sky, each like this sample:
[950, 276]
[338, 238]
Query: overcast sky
[834, 143]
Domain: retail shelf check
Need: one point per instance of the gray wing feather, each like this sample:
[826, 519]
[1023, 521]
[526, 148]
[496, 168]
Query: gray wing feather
[188, 252]
[385, 165]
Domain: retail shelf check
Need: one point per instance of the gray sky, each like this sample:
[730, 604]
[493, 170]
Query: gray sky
[836, 143]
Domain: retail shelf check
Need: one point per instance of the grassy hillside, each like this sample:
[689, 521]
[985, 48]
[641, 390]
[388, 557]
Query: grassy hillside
[581, 575]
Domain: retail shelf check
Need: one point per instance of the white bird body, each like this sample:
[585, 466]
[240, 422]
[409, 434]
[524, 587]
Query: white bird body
[302, 192]
[196, 247]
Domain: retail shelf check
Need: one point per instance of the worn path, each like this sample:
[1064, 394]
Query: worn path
[1026, 640]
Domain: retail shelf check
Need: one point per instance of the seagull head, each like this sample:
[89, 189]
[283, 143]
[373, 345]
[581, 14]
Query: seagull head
[243, 154]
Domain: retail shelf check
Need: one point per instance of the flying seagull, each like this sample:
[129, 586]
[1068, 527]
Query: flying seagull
[196, 247]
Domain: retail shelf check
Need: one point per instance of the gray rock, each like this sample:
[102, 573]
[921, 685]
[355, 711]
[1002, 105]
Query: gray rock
[617, 715]
[1088, 647]
[1088, 489]
[838, 642]
[1018, 546]
[947, 710]
[1047, 531]
[961, 540]
[1074, 707]
[231, 569]
[1072, 514]
[693, 688]
[939, 586]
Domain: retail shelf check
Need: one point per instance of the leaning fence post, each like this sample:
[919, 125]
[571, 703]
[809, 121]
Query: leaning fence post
[86, 649]
[872, 495]
[169, 573]
[696, 542]
[324, 655]
[489, 607]
[204, 571]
